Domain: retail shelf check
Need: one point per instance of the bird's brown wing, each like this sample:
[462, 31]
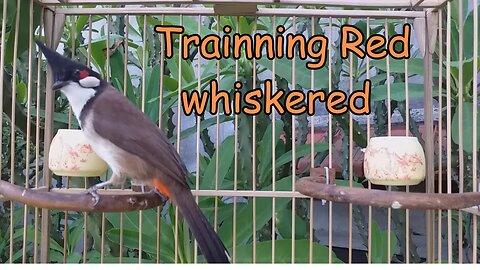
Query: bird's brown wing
[129, 129]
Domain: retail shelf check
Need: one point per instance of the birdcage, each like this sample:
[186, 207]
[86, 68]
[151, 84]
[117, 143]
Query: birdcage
[281, 184]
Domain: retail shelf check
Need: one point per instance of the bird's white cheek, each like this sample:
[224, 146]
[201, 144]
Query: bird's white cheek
[77, 96]
[89, 82]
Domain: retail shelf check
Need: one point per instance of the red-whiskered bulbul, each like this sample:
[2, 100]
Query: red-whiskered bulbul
[130, 143]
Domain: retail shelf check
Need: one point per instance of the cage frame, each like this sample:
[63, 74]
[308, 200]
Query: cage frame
[425, 11]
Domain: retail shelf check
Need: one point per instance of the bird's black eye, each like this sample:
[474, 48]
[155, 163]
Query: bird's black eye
[76, 73]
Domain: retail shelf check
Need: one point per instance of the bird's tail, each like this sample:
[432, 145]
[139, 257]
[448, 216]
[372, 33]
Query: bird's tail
[208, 241]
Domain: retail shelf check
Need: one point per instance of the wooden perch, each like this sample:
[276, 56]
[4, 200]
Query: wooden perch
[316, 188]
[79, 200]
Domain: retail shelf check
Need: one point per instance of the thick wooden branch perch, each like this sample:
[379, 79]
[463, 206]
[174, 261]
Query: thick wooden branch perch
[316, 188]
[80, 200]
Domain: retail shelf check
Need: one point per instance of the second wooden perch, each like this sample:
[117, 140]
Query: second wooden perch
[316, 188]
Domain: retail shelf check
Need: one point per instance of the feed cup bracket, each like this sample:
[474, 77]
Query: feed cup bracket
[74, 199]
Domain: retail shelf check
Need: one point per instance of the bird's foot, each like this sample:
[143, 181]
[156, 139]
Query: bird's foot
[93, 191]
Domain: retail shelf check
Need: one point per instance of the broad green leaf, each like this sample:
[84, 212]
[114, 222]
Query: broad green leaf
[346, 183]
[265, 150]
[81, 23]
[169, 83]
[23, 30]
[283, 252]
[379, 247]
[397, 91]
[467, 129]
[117, 71]
[130, 220]
[55, 246]
[203, 125]
[374, 80]
[244, 217]
[95, 258]
[467, 74]
[74, 258]
[226, 153]
[75, 233]
[283, 68]
[21, 92]
[57, 117]
[284, 224]
[188, 74]
[55, 257]
[415, 66]
[244, 27]
[152, 90]
[300, 151]
[149, 218]
[468, 33]
[189, 24]
[149, 244]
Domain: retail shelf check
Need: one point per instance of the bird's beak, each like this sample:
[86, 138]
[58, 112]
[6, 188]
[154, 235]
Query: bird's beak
[56, 62]
[58, 85]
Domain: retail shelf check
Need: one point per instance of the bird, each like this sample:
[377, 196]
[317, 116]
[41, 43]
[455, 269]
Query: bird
[131, 144]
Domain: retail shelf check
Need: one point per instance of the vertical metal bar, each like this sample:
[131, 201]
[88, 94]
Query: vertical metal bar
[125, 77]
[235, 162]
[12, 125]
[369, 245]
[440, 131]
[67, 182]
[254, 155]
[198, 141]
[29, 107]
[162, 71]
[460, 125]
[389, 132]
[37, 137]
[217, 139]
[312, 151]
[350, 163]
[2, 64]
[48, 135]
[85, 215]
[330, 145]
[273, 152]
[475, 127]
[294, 173]
[179, 128]
[429, 146]
[160, 116]
[144, 69]
[389, 107]
[144, 60]
[107, 76]
[449, 130]
[125, 64]
[407, 188]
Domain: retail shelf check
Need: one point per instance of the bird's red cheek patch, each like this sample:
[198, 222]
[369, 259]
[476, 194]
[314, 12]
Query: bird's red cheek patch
[84, 73]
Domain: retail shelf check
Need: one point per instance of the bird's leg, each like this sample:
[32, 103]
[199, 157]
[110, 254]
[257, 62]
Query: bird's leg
[114, 179]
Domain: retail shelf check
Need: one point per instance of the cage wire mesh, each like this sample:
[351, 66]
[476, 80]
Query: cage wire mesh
[243, 168]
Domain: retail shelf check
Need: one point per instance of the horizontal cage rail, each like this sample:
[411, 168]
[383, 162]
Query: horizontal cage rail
[259, 12]
[332, 3]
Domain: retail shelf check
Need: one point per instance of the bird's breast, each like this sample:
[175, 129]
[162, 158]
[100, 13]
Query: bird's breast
[117, 158]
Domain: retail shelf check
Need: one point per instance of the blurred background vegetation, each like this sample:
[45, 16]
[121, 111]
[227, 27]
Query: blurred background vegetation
[144, 57]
